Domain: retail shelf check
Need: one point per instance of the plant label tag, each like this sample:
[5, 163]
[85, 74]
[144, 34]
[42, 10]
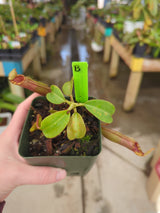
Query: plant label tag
[80, 77]
[53, 20]
[22, 34]
[15, 44]
[5, 38]
[42, 31]
[108, 31]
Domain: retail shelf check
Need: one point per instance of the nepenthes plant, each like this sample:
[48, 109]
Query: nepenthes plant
[52, 125]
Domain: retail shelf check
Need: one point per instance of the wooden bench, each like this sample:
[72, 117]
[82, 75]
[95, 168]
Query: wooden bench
[93, 24]
[138, 66]
[31, 56]
[52, 27]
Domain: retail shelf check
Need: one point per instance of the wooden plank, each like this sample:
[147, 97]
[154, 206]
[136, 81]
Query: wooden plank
[1, 70]
[153, 186]
[29, 56]
[48, 30]
[60, 18]
[151, 65]
[37, 65]
[107, 50]
[132, 90]
[100, 28]
[65, 195]
[113, 71]
[121, 50]
[57, 23]
[93, 199]
[43, 50]
[90, 26]
[51, 31]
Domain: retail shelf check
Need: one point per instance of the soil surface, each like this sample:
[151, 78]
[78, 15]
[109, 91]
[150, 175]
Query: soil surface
[39, 145]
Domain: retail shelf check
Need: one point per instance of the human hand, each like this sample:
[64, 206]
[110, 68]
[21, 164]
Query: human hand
[14, 171]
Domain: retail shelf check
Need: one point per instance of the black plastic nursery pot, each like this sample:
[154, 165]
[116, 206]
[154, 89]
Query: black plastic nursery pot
[17, 54]
[13, 54]
[5, 54]
[140, 51]
[104, 23]
[116, 34]
[74, 165]
[34, 36]
[33, 20]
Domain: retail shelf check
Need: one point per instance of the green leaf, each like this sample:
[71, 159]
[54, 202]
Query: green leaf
[156, 52]
[101, 109]
[76, 127]
[137, 11]
[55, 123]
[153, 7]
[55, 96]
[68, 87]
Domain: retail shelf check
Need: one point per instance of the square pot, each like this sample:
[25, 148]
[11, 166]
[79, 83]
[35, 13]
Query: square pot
[74, 165]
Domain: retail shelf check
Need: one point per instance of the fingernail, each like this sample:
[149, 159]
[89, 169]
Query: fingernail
[61, 174]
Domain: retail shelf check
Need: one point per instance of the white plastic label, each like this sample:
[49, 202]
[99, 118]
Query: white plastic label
[22, 34]
[15, 44]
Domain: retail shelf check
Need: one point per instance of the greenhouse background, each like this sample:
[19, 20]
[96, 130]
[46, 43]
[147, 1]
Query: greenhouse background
[117, 45]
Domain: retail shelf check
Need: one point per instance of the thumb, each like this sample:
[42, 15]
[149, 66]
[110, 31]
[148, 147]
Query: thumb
[41, 175]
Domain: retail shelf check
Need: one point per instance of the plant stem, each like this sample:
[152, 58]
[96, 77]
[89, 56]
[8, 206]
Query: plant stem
[28, 83]
[71, 98]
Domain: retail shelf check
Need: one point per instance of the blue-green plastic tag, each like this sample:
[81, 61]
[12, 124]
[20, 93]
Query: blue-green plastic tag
[108, 32]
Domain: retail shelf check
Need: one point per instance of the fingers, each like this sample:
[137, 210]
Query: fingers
[40, 175]
[19, 117]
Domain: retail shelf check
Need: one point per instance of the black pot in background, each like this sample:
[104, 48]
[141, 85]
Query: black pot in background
[17, 54]
[5, 54]
[33, 20]
[140, 51]
[108, 25]
[116, 34]
[34, 36]
[95, 16]
[43, 21]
